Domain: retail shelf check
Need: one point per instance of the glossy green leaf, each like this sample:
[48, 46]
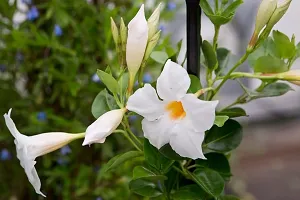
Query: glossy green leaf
[217, 162]
[145, 188]
[159, 56]
[206, 7]
[168, 152]
[285, 48]
[270, 64]
[103, 103]
[224, 139]
[220, 120]
[209, 180]
[190, 192]
[155, 159]
[210, 55]
[118, 160]
[233, 112]
[195, 84]
[272, 90]
[108, 80]
[142, 172]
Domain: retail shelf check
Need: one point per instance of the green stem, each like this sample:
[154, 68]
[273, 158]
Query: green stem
[227, 76]
[130, 132]
[216, 36]
[141, 83]
[128, 138]
[217, 6]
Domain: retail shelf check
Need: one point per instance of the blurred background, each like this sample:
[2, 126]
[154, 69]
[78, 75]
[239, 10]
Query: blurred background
[49, 53]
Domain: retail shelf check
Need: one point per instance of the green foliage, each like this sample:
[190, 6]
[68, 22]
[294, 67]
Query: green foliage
[210, 55]
[109, 81]
[103, 103]
[225, 138]
[233, 112]
[189, 192]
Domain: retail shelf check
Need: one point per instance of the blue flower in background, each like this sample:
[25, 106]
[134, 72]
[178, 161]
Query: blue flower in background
[162, 28]
[2, 68]
[132, 118]
[33, 13]
[99, 198]
[95, 78]
[65, 150]
[57, 30]
[27, 1]
[171, 6]
[41, 116]
[147, 78]
[5, 155]
[19, 57]
[62, 161]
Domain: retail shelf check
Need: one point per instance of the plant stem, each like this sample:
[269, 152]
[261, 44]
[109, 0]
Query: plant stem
[140, 79]
[227, 76]
[128, 138]
[130, 132]
[216, 36]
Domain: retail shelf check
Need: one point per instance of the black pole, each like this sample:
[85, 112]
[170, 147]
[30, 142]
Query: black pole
[193, 24]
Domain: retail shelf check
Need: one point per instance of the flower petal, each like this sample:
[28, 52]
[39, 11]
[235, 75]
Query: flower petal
[158, 131]
[173, 82]
[186, 142]
[10, 124]
[136, 41]
[103, 126]
[200, 113]
[146, 103]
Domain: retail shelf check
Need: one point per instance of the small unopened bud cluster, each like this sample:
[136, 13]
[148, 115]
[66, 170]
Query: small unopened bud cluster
[268, 14]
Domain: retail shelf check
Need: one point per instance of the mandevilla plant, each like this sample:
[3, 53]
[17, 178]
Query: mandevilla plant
[186, 141]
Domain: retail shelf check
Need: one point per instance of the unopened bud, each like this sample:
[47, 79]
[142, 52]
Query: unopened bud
[153, 21]
[151, 44]
[264, 14]
[123, 32]
[278, 13]
[292, 76]
[115, 31]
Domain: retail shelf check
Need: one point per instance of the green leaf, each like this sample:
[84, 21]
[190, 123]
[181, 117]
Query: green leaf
[270, 64]
[267, 48]
[195, 84]
[230, 10]
[142, 172]
[103, 103]
[220, 120]
[224, 139]
[108, 80]
[155, 159]
[190, 192]
[228, 197]
[145, 188]
[123, 82]
[217, 162]
[233, 112]
[159, 56]
[118, 160]
[209, 180]
[225, 60]
[284, 47]
[168, 152]
[272, 90]
[206, 7]
[210, 55]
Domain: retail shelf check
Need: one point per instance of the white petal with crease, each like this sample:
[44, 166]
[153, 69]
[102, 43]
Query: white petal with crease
[173, 82]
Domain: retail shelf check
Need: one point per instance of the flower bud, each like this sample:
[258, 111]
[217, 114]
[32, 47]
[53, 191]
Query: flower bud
[136, 44]
[292, 76]
[115, 32]
[123, 33]
[264, 13]
[151, 44]
[278, 13]
[153, 22]
[103, 126]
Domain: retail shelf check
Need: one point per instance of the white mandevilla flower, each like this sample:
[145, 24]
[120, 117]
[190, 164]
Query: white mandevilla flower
[136, 42]
[31, 147]
[103, 126]
[180, 118]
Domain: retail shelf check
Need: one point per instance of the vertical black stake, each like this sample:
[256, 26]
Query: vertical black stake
[193, 24]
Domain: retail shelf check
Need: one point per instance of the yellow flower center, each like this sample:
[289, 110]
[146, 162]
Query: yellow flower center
[175, 110]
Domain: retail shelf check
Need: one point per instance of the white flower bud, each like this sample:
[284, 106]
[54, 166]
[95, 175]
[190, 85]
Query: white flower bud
[103, 126]
[153, 21]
